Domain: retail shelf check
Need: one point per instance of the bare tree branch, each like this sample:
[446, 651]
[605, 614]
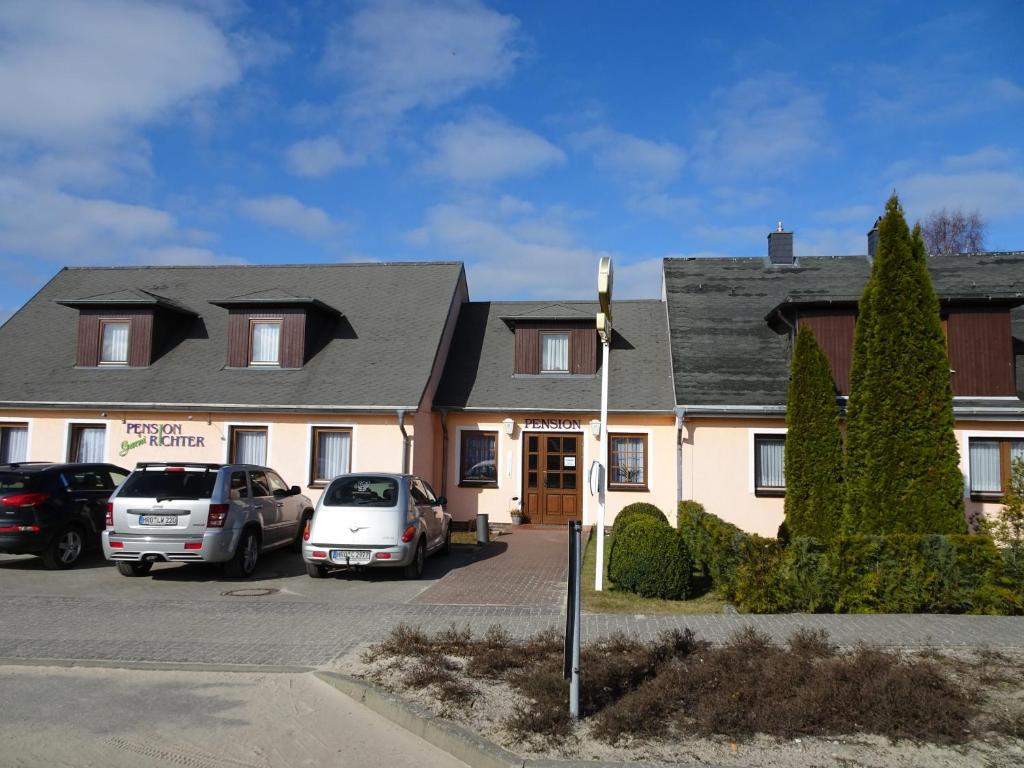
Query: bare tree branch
[947, 232]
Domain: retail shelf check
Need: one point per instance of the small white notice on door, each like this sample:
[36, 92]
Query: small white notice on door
[570, 461]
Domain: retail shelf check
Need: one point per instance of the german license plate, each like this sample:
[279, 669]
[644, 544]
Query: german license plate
[158, 519]
[350, 556]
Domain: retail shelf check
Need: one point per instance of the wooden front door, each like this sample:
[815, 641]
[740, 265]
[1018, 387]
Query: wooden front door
[551, 477]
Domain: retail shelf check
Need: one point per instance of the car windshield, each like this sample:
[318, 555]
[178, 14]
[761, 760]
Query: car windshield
[170, 483]
[358, 491]
[15, 481]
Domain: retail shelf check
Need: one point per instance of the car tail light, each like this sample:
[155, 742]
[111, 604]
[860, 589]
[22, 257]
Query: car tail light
[110, 514]
[193, 545]
[218, 514]
[24, 499]
[19, 529]
[305, 531]
[319, 554]
[174, 469]
[383, 555]
[117, 545]
[408, 534]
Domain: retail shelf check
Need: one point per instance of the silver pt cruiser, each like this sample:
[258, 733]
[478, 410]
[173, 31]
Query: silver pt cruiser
[376, 521]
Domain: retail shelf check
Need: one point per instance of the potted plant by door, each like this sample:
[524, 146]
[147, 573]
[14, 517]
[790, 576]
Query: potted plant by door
[515, 511]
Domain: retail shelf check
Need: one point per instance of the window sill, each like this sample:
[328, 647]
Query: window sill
[318, 483]
[628, 488]
[770, 493]
[471, 484]
[988, 498]
[554, 375]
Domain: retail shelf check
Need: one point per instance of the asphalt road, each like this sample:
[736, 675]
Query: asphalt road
[111, 718]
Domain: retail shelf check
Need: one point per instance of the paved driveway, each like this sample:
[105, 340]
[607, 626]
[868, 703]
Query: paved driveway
[187, 614]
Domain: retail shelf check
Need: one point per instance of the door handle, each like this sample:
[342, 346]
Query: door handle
[279, 504]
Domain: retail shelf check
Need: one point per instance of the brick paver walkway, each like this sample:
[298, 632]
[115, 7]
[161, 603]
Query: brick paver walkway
[525, 567]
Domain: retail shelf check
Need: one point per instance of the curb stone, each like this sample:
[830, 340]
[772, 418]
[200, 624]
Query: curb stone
[151, 666]
[458, 741]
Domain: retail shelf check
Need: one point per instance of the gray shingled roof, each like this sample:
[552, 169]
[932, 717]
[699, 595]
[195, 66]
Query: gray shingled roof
[479, 370]
[381, 354]
[724, 353]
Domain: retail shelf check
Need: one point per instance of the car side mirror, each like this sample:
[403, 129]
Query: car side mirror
[441, 501]
[294, 491]
[280, 493]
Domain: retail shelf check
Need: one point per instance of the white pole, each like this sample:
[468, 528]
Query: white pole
[574, 679]
[603, 486]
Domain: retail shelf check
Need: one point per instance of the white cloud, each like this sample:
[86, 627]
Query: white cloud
[55, 225]
[80, 71]
[1006, 90]
[831, 241]
[637, 159]
[519, 258]
[663, 205]
[994, 193]
[288, 213]
[184, 256]
[398, 54]
[862, 214]
[318, 157]
[986, 157]
[486, 148]
[764, 126]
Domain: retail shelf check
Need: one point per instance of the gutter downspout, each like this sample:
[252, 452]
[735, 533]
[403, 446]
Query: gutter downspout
[406, 440]
[444, 453]
[680, 417]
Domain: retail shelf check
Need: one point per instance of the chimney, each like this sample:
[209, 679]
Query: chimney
[873, 240]
[780, 246]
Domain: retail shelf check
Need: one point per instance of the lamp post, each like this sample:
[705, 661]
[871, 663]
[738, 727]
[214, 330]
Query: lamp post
[604, 330]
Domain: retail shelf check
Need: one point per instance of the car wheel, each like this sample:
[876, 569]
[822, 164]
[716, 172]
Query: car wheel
[315, 570]
[415, 569]
[446, 548]
[303, 521]
[134, 569]
[65, 549]
[243, 562]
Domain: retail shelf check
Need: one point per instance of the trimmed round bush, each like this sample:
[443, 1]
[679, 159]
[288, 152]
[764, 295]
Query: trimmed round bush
[650, 559]
[636, 510]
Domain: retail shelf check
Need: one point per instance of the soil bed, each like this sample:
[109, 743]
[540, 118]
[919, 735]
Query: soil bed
[745, 703]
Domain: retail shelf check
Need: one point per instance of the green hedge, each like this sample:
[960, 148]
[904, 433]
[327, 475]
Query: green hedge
[717, 547]
[637, 509]
[898, 573]
[648, 557]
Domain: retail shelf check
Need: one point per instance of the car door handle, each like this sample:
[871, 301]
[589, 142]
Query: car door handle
[279, 504]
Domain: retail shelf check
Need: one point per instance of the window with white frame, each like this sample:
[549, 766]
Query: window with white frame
[554, 353]
[114, 342]
[13, 443]
[332, 453]
[769, 465]
[265, 342]
[248, 445]
[991, 462]
[627, 462]
[87, 443]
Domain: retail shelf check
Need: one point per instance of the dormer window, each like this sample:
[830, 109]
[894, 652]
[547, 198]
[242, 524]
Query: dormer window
[265, 342]
[114, 342]
[554, 353]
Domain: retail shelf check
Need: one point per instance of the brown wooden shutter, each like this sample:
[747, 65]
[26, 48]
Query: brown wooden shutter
[834, 333]
[527, 350]
[583, 350]
[293, 338]
[88, 353]
[238, 338]
[140, 338]
[980, 345]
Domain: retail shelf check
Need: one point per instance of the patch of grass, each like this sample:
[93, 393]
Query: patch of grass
[611, 600]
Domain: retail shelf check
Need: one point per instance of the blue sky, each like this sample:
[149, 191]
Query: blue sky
[525, 139]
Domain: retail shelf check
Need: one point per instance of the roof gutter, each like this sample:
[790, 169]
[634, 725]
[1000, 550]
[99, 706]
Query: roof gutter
[444, 452]
[192, 407]
[680, 417]
[763, 411]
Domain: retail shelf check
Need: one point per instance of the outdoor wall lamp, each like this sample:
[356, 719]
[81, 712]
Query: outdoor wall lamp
[595, 428]
[509, 426]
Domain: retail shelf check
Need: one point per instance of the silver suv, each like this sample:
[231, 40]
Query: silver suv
[212, 513]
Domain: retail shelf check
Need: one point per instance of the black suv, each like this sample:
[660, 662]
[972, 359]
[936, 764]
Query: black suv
[55, 510]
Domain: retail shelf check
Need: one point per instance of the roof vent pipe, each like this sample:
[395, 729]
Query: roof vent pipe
[780, 246]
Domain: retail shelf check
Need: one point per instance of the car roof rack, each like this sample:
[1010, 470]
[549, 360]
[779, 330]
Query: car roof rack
[144, 464]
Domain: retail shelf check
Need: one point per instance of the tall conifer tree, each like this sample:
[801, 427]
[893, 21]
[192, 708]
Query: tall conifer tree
[814, 449]
[903, 463]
